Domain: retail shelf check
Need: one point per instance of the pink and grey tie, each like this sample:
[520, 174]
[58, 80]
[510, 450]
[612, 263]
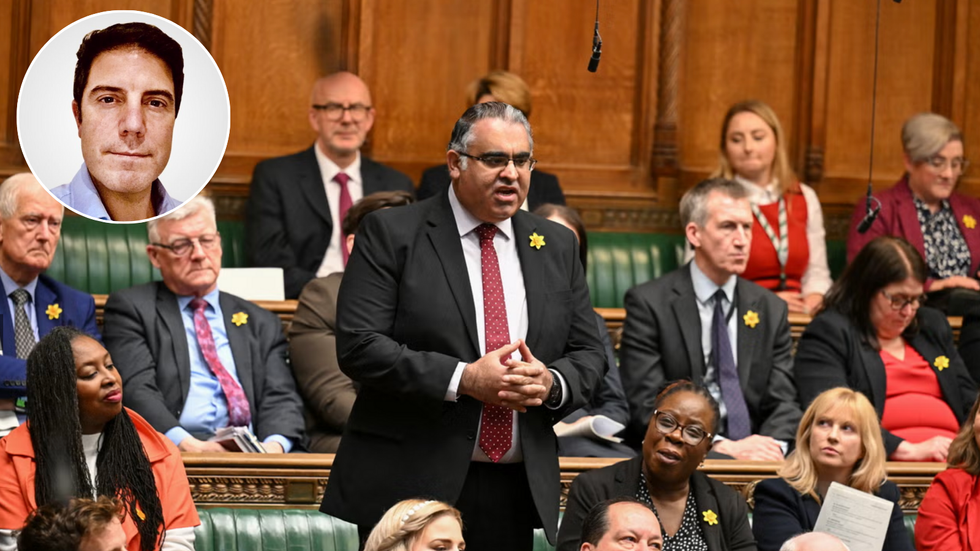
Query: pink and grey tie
[343, 205]
[496, 425]
[238, 410]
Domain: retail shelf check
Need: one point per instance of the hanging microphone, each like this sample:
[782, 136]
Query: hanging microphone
[596, 42]
[871, 213]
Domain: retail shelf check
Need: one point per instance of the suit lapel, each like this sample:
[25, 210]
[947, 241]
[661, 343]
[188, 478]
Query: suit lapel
[44, 297]
[909, 220]
[444, 236]
[238, 339]
[685, 306]
[749, 338]
[370, 176]
[532, 269]
[7, 321]
[311, 182]
[706, 501]
[169, 314]
[874, 368]
[947, 381]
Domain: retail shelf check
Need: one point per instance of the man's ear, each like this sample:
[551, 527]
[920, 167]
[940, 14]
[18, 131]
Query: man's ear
[586, 547]
[152, 252]
[454, 160]
[76, 110]
[693, 233]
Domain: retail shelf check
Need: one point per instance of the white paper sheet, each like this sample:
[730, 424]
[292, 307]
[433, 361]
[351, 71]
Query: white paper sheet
[859, 519]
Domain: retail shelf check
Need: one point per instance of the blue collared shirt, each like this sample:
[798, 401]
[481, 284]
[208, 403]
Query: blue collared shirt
[206, 408]
[81, 196]
[9, 286]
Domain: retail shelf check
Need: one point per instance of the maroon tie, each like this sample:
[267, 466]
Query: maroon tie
[496, 425]
[238, 411]
[344, 205]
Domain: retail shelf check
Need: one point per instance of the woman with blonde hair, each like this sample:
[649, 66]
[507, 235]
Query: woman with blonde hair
[947, 516]
[418, 525]
[838, 440]
[789, 251]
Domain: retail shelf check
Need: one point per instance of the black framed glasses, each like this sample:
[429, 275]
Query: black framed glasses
[901, 301]
[499, 162]
[692, 435]
[335, 111]
[181, 247]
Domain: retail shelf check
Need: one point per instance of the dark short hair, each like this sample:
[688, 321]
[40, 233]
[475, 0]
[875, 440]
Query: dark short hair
[571, 216]
[883, 261]
[55, 527]
[139, 35]
[371, 203]
[694, 203]
[596, 521]
[462, 134]
[684, 385]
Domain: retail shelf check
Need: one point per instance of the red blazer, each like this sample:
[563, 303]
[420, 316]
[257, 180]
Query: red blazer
[949, 516]
[898, 219]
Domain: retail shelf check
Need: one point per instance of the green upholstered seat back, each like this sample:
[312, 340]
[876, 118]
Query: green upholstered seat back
[273, 530]
[618, 261]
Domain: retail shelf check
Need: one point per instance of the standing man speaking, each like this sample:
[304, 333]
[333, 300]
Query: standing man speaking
[468, 325]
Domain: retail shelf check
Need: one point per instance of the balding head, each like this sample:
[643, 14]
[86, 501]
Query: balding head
[814, 541]
[30, 227]
[341, 113]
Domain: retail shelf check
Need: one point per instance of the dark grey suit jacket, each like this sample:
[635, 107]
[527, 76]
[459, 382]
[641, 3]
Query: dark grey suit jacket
[405, 319]
[732, 531]
[662, 342]
[288, 222]
[145, 335]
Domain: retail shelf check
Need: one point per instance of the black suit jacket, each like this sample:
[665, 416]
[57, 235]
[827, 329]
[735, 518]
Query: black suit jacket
[662, 342]
[145, 335]
[405, 319]
[831, 353]
[970, 343]
[544, 186]
[781, 513]
[288, 223]
[731, 533]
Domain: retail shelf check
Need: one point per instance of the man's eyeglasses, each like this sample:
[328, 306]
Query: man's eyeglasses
[692, 435]
[939, 163]
[901, 301]
[181, 247]
[335, 111]
[499, 162]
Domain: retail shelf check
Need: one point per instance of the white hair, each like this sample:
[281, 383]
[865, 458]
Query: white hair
[10, 193]
[188, 209]
[815, 541]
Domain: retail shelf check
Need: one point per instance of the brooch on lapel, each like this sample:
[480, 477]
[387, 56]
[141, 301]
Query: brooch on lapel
[710, 517]
[969, 221]
[751, 319]
[239, 319]
[54, 311]
[942, 362]
[537, 241]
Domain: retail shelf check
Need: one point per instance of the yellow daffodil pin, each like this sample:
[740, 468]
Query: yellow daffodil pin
[54, 311]
[239, 319]
[751, 319]
[969, 221]
[537, 241]
[710, 517]
[942, 362]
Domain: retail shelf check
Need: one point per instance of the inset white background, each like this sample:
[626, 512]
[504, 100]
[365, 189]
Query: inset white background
[48, 133]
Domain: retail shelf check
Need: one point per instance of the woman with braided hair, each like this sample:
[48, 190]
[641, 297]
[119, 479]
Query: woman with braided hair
[418, 525]
[102, 450]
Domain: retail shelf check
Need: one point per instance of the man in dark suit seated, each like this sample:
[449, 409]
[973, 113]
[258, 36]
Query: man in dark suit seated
[30, 227]
[296, 203]
[194, 359]
[467, 323]
[511, 89]
[704, 323]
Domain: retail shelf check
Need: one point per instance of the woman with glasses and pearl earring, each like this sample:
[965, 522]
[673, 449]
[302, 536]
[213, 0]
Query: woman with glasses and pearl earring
[874, 336]
[924, 209]
[695, 512]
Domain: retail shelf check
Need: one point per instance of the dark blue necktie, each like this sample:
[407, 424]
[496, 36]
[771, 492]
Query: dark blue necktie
[739, 424]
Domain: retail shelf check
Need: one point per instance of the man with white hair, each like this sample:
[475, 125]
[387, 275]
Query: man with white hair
[814, 541]
[30, 227]
[194, 359]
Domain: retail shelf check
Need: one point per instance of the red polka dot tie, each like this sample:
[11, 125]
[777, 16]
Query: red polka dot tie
[343, 205]
[496, 425]
[238, 410]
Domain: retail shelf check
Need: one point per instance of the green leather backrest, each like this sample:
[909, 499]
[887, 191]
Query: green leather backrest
[618, 261]
[273, 530]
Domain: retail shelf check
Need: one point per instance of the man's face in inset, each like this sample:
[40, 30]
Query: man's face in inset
[126, 119]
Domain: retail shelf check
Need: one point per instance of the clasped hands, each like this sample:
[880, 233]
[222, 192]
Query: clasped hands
[498, 379]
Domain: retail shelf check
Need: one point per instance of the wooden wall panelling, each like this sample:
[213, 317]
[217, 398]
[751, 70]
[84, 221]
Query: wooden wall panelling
[14, 58]
[966, 99]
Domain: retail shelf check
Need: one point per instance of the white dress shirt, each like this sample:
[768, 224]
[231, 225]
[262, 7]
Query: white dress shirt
[333, 260]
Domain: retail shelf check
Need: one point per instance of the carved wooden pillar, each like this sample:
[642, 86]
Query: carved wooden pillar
[203, 17]
[665, 129]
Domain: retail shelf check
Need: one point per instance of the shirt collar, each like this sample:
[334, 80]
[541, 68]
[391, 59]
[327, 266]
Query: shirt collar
[921, 206]
[759, 195]
[211, 298]
[704, 288]
[9, 285]
[329, 169]
[84, 198]
[466, 222]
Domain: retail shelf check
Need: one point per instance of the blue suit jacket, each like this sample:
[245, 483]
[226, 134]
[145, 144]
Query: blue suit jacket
[77, 309]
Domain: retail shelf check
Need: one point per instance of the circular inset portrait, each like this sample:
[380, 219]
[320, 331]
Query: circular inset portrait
[123, 116]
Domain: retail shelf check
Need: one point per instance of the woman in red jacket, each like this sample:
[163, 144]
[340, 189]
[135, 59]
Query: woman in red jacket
[949, 516]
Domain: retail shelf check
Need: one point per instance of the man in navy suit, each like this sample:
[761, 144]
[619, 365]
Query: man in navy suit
[296, 203]
[30, 227]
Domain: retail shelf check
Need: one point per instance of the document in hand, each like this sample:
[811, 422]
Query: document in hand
[238, 439]
[858, 518]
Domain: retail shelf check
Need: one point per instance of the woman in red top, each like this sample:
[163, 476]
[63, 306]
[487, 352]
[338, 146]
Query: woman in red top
[789, 250]
[80, 442]
[949, 516]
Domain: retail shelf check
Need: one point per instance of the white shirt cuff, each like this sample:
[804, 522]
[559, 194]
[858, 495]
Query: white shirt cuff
[451, 395]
